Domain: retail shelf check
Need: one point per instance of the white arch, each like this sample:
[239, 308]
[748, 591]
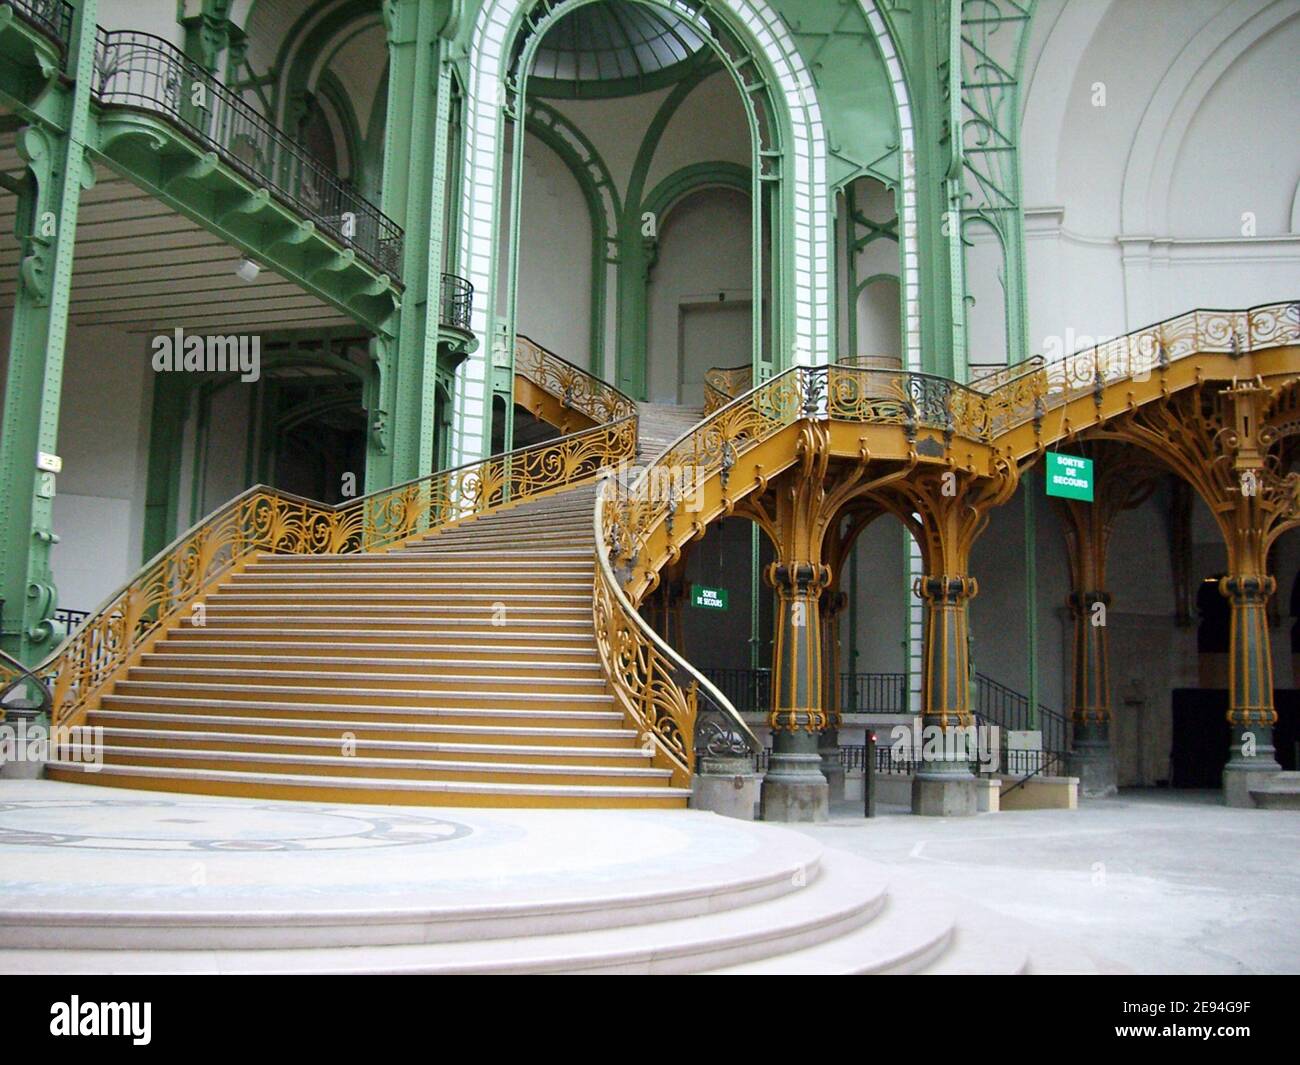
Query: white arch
[910, 275]
[489, 56]
[1205, 59]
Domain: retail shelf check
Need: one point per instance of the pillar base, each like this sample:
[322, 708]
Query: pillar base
[727, 786]
[1093, 762]
[22, 716]
[832, 768]
[794, 788]
[945, 790]
[1247, 770]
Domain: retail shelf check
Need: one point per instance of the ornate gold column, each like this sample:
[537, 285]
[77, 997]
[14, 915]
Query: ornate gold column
[1227, 442]
[946, 510]
[1120, 482]
[797, 511]
[828, 746]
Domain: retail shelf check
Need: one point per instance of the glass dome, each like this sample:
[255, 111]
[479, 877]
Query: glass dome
[614, 42]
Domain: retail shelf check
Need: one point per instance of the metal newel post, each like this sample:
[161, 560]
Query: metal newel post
[869, 777]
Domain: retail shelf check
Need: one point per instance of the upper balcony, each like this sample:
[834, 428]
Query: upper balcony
[166, 124]
[146, 73]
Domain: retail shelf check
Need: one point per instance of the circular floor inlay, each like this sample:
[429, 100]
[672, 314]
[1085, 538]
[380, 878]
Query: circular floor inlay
[195, 825]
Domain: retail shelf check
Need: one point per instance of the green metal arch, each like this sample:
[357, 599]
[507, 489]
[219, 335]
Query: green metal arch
[767, 136]
[690, 179]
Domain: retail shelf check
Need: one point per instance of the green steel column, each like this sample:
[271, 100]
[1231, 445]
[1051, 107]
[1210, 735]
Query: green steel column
[163, 484]
[937, 28]
[46, 230]
[1031, 592]
[403, 426]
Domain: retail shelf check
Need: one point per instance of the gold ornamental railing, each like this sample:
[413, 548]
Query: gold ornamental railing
[914, 401]
[265, 519]
[656, 687]
[723, 384]
[574, 387]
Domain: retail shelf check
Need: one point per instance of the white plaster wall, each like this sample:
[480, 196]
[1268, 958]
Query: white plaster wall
[149, 16]
[1135, 203]
[99, 496]
[710, 125]
[704, 249]
[553, 303]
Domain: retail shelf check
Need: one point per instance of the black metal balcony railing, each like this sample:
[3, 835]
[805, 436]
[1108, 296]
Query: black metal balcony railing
[456, 302]
[139, 70]
[52, 17]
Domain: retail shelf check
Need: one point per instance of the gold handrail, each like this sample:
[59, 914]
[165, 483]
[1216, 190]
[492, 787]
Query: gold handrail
[264, 519]
[574, 387]
[722, 384]
[646, 674]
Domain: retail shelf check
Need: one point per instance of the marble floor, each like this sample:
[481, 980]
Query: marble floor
[1154, 882]
[1157, 881]
[71, 845]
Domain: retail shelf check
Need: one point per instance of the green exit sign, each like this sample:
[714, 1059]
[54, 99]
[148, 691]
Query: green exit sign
[709, 598]
[1069, 476]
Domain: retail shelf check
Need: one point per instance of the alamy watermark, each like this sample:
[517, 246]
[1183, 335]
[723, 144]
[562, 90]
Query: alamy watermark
[22, 741]
[181, 352]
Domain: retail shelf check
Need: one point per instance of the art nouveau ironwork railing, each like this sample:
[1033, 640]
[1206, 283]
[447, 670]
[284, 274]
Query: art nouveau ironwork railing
[52, 17]
[575, 388]
[723, 384]
[918, 401]
[676, 708]
[265, 519]
[144, 72]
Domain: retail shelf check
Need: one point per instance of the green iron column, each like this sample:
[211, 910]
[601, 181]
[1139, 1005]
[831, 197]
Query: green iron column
[937, 43]
[404, 423]
[46, 227]
[163, 484]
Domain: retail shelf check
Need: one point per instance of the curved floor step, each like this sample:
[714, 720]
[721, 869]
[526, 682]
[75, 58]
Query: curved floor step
[365, 789]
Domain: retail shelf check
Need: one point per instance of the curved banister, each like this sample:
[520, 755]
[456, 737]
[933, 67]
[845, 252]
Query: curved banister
[722, 384]
[574, 387]
[647, 674]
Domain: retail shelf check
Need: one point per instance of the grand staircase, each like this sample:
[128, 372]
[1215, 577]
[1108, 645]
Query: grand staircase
[459, 670]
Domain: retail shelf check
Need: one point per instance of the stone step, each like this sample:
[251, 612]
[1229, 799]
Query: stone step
[581, 734]
[366, 789]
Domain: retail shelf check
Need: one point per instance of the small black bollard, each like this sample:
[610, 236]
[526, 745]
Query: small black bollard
[869, 777]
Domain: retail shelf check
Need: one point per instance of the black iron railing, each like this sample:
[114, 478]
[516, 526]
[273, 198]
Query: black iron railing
[999, 705]
[52, 17]
[750, 690]
[456, 302]
[139, 70]
[1026, 765]
[71, 618]
[873, 693]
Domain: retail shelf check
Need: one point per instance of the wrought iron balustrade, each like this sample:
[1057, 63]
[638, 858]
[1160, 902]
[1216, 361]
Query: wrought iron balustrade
[996, 704]
[140, 71]
[52, 17]
[456, 302]
[750, 690]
